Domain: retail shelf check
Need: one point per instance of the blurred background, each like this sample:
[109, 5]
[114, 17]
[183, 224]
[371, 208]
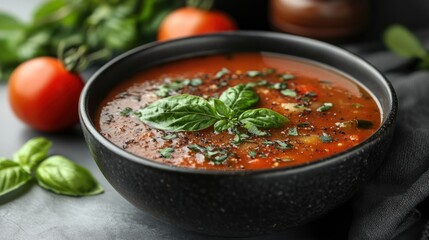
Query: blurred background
[32, 28]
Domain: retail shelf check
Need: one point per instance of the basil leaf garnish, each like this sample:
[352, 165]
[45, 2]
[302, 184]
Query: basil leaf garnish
[12, 176]
[221, 125]
[263, 118]
[32, 153]
[180, 113]
[62, 176]
[239, 98]
[221, 108]
[192, 113]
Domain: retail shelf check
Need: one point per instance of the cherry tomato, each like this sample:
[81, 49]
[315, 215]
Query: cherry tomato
[190, 21]
[45, 95]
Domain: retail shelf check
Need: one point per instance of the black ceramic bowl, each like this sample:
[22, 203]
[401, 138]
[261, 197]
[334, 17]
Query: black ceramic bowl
[237, 203]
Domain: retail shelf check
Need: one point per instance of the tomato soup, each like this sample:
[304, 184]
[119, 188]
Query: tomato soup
[253, 111]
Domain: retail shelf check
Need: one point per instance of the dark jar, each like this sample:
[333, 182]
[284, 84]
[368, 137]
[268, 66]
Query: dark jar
[329, 20]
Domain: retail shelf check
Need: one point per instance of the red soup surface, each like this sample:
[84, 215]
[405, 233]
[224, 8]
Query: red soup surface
[328, 113]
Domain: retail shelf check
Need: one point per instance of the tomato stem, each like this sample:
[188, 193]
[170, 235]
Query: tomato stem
[201, 4]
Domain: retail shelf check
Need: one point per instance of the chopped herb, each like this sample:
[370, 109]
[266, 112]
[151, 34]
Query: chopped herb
[217, 156]
[220, 158]
[196, 82]
[197, 148]
[304, 124]
[283, 145]
[126, 112]
[325, 138]
[223, 83]
[221, 73]
[166, 152]
[186, 82]
[253, 73]
[262, 83]
[283, 159]
[306, 99]
[311, 94]
[137, 114]
[357, 105]
[364, 124]
[163, 91]
[300, 106]
[286, 77]
[255, 130]
[177, 85]
[293, 131]
[170, 136]
[288, 92]
[269, 71]
[268, 143]
[240, 138]
[279, 86]
[325, 107]
[252, 153]
[263, 155]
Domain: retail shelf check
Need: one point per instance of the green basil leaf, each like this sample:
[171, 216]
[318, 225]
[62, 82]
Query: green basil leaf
[54, 12]
[325, 138]
[403, 42]
[7, 52]
[10, 26]
[119, 33]
[166, 152]
[63, 176]
[34, 45]
[12, 176]
[221, 108]
[221, 125]
[239, 97]
[325, 107]
[254, 130]
[179, 113]
[32, 153]
[263, 118]
[293, 131]
[288, 93]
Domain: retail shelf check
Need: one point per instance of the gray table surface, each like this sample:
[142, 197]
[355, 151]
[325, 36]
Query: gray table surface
[34, 213]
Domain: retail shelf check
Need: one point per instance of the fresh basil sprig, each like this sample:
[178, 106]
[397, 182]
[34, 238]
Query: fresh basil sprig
[193, 113]
[403, 42]
[56, 173]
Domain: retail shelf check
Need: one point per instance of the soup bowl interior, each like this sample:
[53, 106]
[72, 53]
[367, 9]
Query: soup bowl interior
[237, 203]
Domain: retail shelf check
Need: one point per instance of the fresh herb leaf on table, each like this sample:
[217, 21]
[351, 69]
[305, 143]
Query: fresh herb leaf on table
[403, 42]
[57, 173]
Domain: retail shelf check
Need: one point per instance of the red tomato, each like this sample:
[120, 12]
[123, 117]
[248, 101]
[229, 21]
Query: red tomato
[44, 95]
[190, 21]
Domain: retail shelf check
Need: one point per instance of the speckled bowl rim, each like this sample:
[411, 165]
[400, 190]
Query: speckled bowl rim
[387, 123]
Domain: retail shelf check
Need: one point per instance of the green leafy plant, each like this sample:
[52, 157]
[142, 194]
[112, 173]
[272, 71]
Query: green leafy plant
[403, 42]
[192, 113]
[57, 173]
[92, 27]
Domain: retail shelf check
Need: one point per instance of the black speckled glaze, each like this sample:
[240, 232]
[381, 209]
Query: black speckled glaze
[237, 203]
